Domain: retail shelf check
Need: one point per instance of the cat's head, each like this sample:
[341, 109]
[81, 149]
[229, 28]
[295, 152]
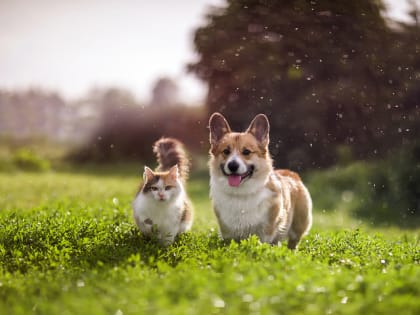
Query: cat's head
[162, 186]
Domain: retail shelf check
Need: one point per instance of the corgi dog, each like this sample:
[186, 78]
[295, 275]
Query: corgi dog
[161, 207]
[250, 197]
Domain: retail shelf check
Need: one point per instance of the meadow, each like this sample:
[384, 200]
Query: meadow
[68, 245]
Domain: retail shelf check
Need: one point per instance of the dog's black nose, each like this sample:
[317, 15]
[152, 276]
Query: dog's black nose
[233, 166]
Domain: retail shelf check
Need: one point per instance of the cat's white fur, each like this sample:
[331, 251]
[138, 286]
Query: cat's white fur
[163, 217]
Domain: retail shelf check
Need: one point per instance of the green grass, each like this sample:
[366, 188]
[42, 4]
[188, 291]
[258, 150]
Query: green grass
[68, 245]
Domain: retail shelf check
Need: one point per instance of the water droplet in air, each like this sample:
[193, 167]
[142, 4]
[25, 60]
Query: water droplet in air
[247, 298]
[218, 302]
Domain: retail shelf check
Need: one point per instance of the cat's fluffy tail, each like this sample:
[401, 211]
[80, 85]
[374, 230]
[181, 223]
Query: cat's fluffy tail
[169, 152]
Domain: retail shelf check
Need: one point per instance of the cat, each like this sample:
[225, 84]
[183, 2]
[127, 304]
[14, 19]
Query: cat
[161, 207]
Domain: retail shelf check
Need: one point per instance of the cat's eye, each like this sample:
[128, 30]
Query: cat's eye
[246, 152]
[168, 187]
[226, 151]
[154, 188]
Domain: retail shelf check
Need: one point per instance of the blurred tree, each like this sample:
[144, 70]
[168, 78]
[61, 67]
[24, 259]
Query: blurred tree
[103, 99]
[165, 92]
[321, 70]
[33, 114]
[130, 133]
[127, 130]
[407, 52]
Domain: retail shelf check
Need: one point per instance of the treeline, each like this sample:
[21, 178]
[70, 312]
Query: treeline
[106, 125]
[128, 132]
[337, 80]
[28, 114]
[36, 114]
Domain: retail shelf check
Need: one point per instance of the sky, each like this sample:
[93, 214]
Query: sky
[73, 46]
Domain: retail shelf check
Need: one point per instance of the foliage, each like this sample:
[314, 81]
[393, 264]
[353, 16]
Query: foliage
[68, 245]
[27, 160]
[36, 114]
[31, 155]
[327, 74]
[165, 93]
[384, 193]
[128, 132]
[394, 189]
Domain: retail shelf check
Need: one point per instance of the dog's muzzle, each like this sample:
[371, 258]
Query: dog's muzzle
[235, 179]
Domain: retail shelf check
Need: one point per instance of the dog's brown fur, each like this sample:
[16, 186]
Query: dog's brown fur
[272, 204]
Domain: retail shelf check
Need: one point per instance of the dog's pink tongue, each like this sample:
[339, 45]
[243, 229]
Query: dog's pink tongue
[234, 180]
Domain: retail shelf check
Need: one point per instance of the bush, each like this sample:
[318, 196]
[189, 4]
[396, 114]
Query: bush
[384, 192]
[128, 133]
[395, 187]
[26, 160]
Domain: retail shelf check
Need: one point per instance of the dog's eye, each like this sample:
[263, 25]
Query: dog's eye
[246, 152]
[226, 151]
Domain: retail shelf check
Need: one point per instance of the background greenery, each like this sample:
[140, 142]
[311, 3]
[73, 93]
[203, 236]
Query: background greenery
[68, 245]
[328, 74]
[333, 76]
[340, 85]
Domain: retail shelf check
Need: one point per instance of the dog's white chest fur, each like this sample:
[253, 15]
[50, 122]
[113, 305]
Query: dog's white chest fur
[241, 212]
[249, 197]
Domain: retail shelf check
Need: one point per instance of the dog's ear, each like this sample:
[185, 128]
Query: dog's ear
[218, 127]
[260, 128]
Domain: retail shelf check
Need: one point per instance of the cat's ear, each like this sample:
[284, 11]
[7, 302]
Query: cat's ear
[218, 128]
[173, 172]
[147, 174]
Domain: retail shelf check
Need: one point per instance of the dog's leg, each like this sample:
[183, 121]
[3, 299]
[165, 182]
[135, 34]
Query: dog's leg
[302, 218]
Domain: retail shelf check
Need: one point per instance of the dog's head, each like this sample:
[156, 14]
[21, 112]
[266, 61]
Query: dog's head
[239, 157]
